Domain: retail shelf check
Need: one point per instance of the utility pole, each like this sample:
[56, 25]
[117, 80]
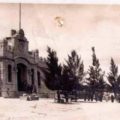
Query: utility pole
[19, 16]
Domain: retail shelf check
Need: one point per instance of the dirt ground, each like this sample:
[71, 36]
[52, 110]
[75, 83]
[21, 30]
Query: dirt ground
[47, 109]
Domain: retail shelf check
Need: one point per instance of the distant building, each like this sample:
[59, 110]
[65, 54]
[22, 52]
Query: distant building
[20, 69]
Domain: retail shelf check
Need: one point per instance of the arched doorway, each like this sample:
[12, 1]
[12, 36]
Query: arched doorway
[21, 77]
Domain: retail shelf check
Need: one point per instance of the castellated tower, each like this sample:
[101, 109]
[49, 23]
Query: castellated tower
[20, 69]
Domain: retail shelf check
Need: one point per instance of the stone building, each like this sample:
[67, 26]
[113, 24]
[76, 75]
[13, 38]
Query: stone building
[20, 69]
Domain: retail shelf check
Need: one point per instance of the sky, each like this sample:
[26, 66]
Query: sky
[67, 27]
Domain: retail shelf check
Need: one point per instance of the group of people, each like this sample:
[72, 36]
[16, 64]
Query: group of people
[100, 96]
[64, 96]
[91, 95]
[112, 97]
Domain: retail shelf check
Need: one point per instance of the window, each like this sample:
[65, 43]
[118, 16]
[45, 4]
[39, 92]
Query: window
[9, 73]
[38, 78]
[32, 76]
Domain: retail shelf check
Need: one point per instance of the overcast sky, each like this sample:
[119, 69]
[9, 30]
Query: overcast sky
[83, 26]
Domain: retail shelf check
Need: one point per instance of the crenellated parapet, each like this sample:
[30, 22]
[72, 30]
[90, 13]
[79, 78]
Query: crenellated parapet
[20, 67]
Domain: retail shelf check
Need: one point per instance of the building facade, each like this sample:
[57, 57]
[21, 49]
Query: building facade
[20, 69]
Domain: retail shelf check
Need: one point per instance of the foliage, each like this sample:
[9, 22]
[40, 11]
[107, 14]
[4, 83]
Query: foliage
[113, 77]
[53, 73]
[96, 75]
[73, 72]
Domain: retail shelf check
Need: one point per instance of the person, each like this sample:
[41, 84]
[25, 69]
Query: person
[96, 96]
[8, 90]
[112, 98]
[66, 96]
[107, 97]
[58, 96]
[85, 97]
[119, 98]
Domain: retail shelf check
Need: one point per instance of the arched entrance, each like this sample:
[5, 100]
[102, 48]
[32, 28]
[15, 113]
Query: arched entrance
[21, 77]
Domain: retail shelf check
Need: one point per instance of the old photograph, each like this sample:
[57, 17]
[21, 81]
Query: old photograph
[59, 61]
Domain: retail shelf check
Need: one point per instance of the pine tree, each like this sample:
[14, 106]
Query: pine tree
[113, 77]
[53, 73]
[73, 71]
[96, 76]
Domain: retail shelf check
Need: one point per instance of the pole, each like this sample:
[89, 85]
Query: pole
[19, 16]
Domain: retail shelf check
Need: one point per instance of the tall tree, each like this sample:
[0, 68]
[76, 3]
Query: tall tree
[113, 77]
[96, 81]
[73, 71]
[53, 73]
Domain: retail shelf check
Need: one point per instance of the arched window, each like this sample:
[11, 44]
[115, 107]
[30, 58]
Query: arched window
[38, 78]
[9, 73]
[32, 76]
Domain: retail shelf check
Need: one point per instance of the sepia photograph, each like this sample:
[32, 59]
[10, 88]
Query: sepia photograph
[59, 61]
